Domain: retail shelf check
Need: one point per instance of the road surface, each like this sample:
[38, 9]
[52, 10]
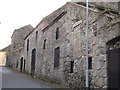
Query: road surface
[12, 79]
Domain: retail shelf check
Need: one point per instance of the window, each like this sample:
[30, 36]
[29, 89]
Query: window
[27, 45]
[44, 44]
[89, 62]
[71, 66]
[56, 57]
[57, 33]
[36, 35]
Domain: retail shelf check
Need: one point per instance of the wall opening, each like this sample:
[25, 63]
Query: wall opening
[27, 45]
[36, 35]
[89, 62]
[113, 63]
[44, 44]
[57, 33]
[21, 64]
[71, 66]
[33, 59]
[56, 57]
[24, 66]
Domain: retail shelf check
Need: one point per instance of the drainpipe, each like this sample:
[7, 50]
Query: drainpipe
[87, 79]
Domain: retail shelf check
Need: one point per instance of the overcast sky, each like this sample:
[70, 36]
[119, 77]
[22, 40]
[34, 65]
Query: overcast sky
[15, 14]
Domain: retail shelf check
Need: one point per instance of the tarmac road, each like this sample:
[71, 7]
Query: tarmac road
[12, 79]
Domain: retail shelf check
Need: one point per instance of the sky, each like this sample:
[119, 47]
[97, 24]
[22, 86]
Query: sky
[15, 14]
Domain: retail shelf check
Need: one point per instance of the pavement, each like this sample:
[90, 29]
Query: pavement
[11, 79]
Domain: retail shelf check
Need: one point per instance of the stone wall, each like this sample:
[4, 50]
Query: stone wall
[103, 27]
[44, 58]
[17, 44]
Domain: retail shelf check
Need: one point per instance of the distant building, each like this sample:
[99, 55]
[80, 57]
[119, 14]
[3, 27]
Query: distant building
[2, 58]
[5, 55]
[17, 44]
[55, 49]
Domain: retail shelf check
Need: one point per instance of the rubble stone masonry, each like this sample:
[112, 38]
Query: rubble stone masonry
[70, 21]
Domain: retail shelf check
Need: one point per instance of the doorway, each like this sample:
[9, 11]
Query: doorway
[21, 64]
[24, 66]
[33, 59]
[114, 68]
[113, 63]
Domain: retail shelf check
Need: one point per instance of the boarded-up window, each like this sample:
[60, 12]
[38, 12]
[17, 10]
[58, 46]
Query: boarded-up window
[89, 62]
[71, 66]
[56, 57]
[57, 33]
[44, 44]
[27, 45]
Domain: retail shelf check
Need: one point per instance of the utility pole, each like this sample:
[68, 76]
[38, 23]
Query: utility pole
[87, 77]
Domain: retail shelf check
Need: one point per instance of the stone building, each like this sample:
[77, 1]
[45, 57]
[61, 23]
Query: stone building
[55, 49]
[17, 43]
